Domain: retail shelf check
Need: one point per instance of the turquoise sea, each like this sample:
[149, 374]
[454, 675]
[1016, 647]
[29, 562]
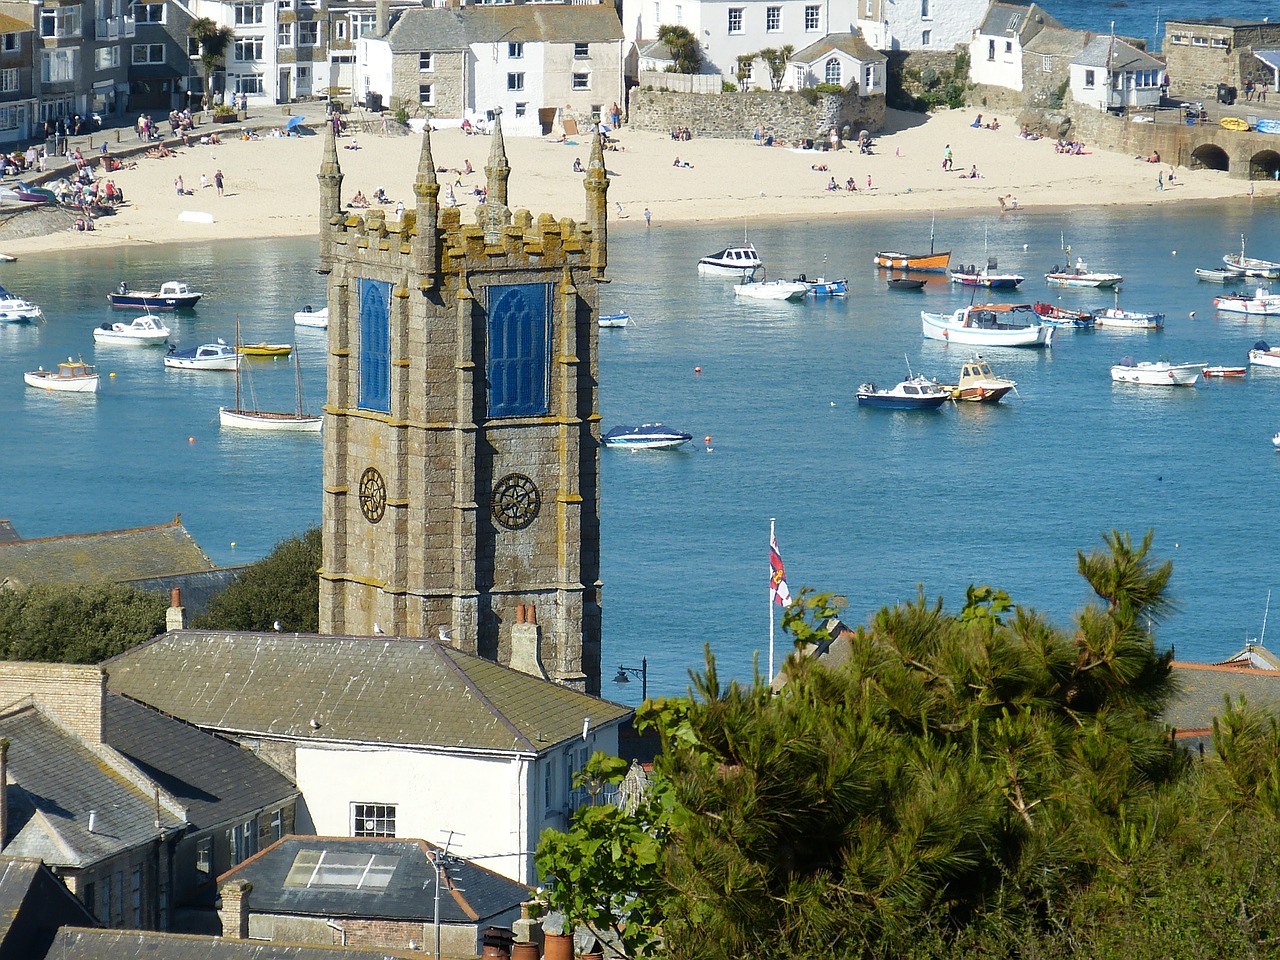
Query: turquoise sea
[869, 504]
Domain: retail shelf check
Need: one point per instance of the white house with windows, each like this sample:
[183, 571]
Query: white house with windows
[918, 24]
[387, 736]
[841, 58]
[996, 50]
[1112, 75]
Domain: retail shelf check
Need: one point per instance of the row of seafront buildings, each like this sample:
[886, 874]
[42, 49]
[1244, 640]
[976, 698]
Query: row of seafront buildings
[453, 59]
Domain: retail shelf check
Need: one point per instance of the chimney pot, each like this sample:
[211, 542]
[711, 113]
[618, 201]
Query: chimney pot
[175, 597]
[93, 820]
[531, 614]
[519, 613]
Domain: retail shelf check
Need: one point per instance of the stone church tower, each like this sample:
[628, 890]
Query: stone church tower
[462, 437]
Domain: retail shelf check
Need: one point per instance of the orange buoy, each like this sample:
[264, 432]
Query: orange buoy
[707, 440]
[191, 439]
[697, 370]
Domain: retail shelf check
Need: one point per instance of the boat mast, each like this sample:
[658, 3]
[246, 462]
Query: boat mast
[237, 366]
[297, 369]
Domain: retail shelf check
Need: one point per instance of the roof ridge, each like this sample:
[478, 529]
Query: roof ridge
[471, 684]
[26, 541]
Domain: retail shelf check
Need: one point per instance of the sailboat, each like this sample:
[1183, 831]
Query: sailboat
[919, 262]
[255, 419]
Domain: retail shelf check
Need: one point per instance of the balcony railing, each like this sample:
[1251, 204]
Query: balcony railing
[114, 28]
[582, 797]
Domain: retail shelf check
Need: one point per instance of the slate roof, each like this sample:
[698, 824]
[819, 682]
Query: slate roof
[470, 895]
[1202, 687]
[847, 43]
[1121, 57]
[1010, 20]
[1056, 41]
[218, 781]
[33, 905]
[55, 780]
[113, 556]
[10, 24]
[422, 29]
[1232, 22]
[78, 943]
[428, 29]
[383, 690]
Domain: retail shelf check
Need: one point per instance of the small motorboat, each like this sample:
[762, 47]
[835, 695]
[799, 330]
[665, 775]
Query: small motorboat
[978, 384]
[647, 436]
[1156, 373]
[905, 283]
[918, 262]
[988, 325]
[265, 349]
[613, 319]
[1263, 303]
[1219, 370]
[822, 287]
[915, 393]
[973, 276]
[1128, 319]
[1216, 275]
[74, 376]
[207, 356]
[731, 262]
[172, 295]
[1080, 276]
[145, 330]
[1263, 355]
[1251, 266]
[14, 309]
[1057, 316]
[792, 290]
[307, 317]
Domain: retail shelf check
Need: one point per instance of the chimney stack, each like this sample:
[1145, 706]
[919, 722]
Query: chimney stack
[381, 14]
[234, 913]
[175, 617]
[526, 642]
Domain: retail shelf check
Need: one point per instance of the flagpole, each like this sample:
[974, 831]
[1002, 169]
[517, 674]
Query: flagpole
[771, 521]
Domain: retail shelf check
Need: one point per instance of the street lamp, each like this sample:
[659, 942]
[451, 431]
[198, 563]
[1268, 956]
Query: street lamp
[625, 674]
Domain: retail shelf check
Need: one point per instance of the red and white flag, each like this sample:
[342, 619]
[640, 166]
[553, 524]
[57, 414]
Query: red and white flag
[778, 591]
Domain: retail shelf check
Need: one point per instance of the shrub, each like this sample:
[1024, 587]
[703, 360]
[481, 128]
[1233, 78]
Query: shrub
[224, 112]
[728, 86]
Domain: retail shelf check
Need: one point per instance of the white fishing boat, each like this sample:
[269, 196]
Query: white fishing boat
[794, 290]
[145, 330]
[1156, 373]
[915, 393]
[731, 262]
[1080, 276]
[647, 436]
[1128, 319]
[1251, 266]
[307, 317]
[975, 276]
[613, 319]
[1263, 355]
[1263, 303]
[251, 418]
[207, 356]
[1216, 275]
[14, 309]
[989, 325]
[74, 376]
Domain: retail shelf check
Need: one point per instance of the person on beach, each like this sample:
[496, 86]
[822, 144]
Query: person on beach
[1160, 180]
[577, 165]
[217, 181]
[947, 161]
[179, 186]
[648, 216]
[204, 182]
[851, 186]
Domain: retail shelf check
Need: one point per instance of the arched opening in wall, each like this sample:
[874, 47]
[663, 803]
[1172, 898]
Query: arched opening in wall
[1210, 156]
[1264, 165]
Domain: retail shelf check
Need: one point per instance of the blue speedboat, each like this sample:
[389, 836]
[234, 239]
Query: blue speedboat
[822, 287]
[918, 393]
[647, 436]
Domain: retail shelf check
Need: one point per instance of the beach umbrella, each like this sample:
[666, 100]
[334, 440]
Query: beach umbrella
[294, 123]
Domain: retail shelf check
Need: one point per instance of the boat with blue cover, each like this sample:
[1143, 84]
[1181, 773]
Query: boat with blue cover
[647, 436]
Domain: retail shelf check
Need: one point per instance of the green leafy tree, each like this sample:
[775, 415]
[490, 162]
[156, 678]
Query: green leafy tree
[213, 41]
[84, 623]
[685, 53]
[776, 59]
[283, 587]
[605, 870]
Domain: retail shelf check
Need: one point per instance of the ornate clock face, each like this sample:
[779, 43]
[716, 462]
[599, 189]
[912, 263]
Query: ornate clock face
[373, 495]
[516, 501]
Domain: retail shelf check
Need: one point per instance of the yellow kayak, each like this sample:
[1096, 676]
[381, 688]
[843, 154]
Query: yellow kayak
[1234, 123]
[266, 349]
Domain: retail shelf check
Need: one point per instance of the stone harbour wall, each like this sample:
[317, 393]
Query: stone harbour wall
[735, 116]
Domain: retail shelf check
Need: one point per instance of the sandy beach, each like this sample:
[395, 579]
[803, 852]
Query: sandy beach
[271, 188]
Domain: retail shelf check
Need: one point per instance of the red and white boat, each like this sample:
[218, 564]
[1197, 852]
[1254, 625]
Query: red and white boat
[1221, 371]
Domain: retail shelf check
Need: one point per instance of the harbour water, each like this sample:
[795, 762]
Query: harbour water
[1146, 18]
[868, 503]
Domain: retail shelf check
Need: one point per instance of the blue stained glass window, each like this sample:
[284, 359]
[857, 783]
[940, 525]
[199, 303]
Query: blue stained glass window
[375, 345]
[519, 349]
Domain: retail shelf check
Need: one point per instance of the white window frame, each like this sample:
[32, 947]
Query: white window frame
[926, 13]
[582, 81]
[736, 15]
[284, 34]
[243, 45]
[773, 19]
[515, 50]
[10, 80]
[60, 22]
[926, 38]
[868, 79]
[250, 84]
[248, 14]
[59, 65]
[1090, 79]
[308, 33]
[832, 71]
[522, 108]
[148, 12]
[427, 94]
[426, 62]
[812, 18]
[107, 58]
[515, 82]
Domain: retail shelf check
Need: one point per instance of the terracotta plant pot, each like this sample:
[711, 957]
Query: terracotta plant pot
[594, 955]
[524, 951]
[557, 946]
